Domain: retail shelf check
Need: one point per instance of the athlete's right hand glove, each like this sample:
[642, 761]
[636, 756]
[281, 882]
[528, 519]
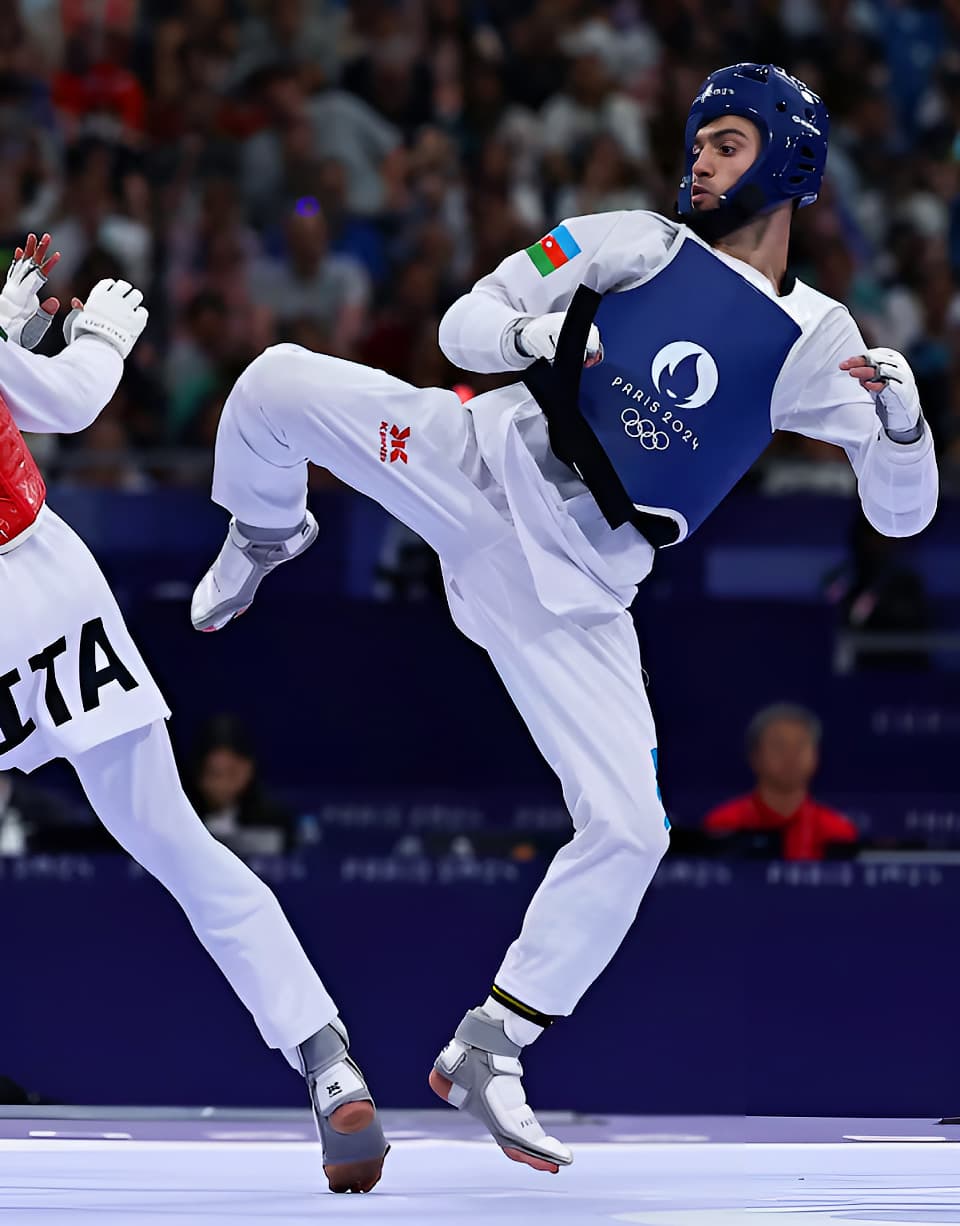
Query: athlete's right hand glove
[537, 338]
[112, 312]
[23, 318]
[887, 375]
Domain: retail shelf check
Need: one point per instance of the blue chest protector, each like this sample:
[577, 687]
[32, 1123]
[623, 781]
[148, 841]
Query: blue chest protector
[679, 408]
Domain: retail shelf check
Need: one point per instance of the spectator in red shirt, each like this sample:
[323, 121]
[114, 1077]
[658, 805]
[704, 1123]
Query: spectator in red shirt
[94, 83]
[783, 750]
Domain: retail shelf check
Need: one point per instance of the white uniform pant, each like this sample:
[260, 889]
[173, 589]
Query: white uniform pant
[133, 785]
[579, 689]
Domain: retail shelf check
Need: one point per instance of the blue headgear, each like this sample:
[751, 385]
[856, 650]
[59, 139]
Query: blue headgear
[794, 127]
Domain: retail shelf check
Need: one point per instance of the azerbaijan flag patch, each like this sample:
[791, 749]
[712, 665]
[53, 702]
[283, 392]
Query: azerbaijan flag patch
[553, 250]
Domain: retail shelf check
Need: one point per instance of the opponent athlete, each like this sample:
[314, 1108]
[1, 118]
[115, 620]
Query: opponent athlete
[657, 358]
[73, 685]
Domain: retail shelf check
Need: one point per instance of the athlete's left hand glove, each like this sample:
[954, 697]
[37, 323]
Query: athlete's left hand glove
[887, 374]
[537, 336]
[23, 318]
[112, 312]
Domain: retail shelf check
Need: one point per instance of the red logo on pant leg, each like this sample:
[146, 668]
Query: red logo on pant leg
[399, 449]
[397, 445]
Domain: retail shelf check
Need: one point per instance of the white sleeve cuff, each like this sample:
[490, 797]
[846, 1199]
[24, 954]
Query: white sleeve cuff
[509, 351]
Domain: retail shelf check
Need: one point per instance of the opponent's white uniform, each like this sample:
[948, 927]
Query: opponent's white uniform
[91, 699]
[533, 571]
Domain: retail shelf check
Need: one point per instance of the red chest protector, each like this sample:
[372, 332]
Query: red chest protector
[22, 490]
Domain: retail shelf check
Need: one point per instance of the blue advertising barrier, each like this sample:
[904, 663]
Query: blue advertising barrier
[751, 547]
[820, 989]
[355, 694]
[730, 621]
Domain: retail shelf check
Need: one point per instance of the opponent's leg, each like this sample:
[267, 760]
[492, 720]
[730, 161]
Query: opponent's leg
[133, 785]
[411, 449]
[343, 1110]
[581, 693]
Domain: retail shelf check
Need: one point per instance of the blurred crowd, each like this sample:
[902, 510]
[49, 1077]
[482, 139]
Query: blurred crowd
[336, 173]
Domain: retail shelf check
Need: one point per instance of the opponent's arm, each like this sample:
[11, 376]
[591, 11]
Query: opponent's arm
[64, 394]
[866, 402]
[24, 319]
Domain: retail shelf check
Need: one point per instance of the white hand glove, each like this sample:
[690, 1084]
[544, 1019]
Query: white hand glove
[113, 313]
[22, 318]
[898, 405]
[537, 338]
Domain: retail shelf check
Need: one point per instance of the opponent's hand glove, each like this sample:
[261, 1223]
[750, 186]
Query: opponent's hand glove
[887, 374]
[23, 320]
[537, 338]
[112, 312]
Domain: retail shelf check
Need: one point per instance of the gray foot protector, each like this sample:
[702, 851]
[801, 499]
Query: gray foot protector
[485, 1069]
[229, 586]
[333, 1079]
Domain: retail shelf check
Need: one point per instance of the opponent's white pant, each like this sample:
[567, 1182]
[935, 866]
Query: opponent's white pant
[580, 690]
[132, 783]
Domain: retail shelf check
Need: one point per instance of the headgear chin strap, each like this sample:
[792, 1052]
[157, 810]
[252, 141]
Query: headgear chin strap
[794, 128]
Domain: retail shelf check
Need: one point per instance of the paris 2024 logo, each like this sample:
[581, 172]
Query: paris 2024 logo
[683, 373]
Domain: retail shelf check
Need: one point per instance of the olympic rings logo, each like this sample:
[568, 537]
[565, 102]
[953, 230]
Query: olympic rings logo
[644, 430]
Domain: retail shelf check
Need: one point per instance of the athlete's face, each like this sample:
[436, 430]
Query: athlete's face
[723, 151]
[785, 757]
